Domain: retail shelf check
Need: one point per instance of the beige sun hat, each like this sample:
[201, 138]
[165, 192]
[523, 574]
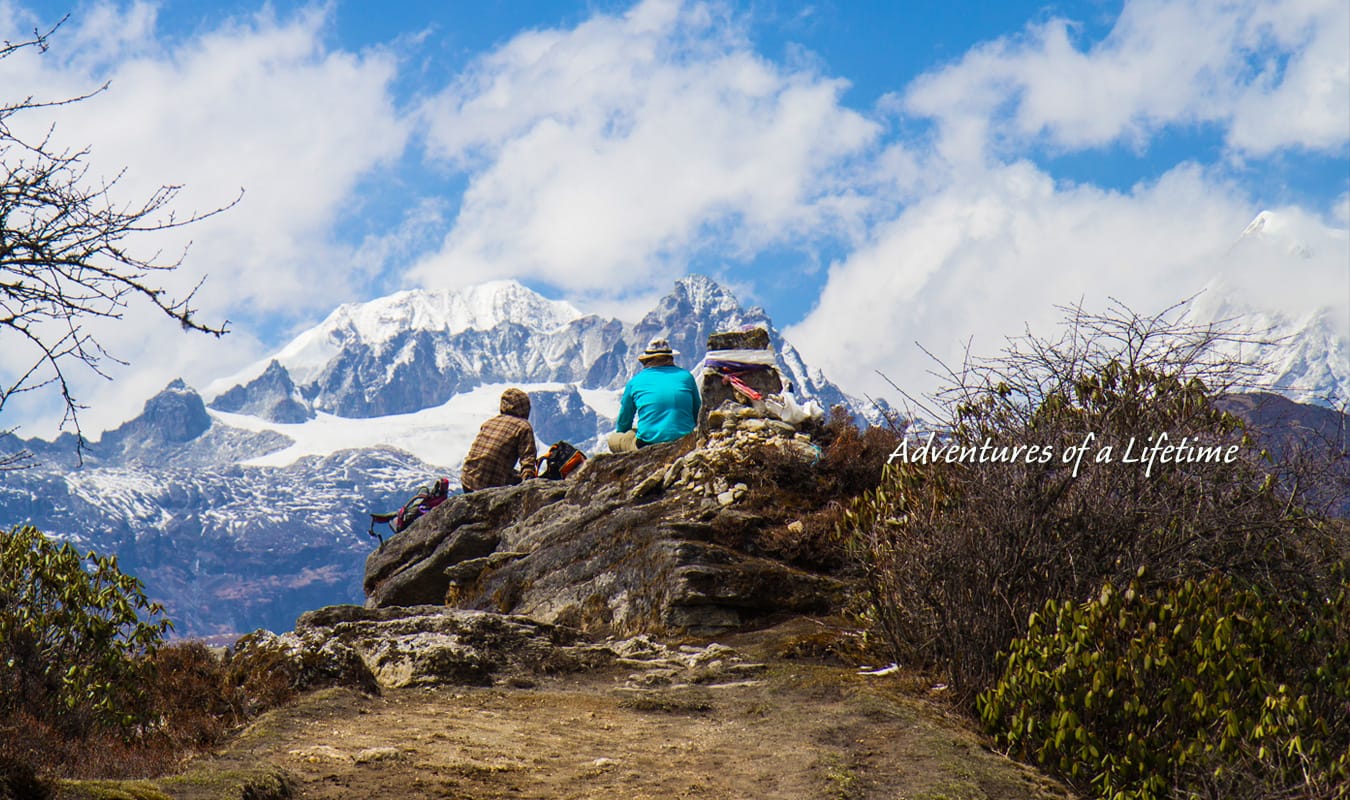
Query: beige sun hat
[657, 348]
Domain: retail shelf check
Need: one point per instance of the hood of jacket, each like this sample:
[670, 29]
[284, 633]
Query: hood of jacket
[516, 403]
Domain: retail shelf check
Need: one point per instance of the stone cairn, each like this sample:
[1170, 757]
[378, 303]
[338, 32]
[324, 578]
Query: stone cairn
[736, 427]
[717, 391]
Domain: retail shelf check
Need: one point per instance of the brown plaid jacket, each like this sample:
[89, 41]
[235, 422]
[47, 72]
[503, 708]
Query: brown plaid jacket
[501, 441]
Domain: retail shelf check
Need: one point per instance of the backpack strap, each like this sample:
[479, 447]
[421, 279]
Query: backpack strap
[380, 519]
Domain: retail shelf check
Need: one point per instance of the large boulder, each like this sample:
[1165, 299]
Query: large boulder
[409, 568]
[630, 543]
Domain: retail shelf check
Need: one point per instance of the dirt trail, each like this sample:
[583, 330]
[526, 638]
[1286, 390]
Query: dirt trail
[795, 730]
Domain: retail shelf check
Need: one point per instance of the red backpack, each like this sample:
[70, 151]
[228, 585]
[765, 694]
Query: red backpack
[426, 498]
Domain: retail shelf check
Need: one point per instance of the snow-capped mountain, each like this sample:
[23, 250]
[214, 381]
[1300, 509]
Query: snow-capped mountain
[1305, 358]
[447, 311]
[226, 547]
[359, 364]
[1303, 352]
[1310, 361]
[246, 504]
[415, 350]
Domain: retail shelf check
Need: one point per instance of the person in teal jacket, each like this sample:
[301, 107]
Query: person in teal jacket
[664, 398]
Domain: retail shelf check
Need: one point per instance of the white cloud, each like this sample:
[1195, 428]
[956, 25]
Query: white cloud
[983, 261]
[604, 156]
[1304, 102]
[1292, 261]
[985, 245]
[1340, 211]
[600, 159]
[1272, 75]
[259, 103]
[156, 351]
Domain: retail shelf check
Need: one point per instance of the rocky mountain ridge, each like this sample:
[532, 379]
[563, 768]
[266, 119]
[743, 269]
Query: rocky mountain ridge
[417, 350]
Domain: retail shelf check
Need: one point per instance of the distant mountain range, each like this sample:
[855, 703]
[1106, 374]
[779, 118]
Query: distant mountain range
[245, 504]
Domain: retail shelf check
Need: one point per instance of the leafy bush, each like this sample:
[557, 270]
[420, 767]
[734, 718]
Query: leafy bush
[957, 556]
[88, 688]
[71, 636]
[1204, 690]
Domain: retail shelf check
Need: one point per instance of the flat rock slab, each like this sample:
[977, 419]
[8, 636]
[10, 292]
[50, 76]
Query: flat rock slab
[791, 729]
[421, 646]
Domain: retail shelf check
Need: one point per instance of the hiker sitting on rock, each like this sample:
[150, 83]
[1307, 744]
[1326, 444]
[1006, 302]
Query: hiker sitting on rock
[503, 440]
[664, 397]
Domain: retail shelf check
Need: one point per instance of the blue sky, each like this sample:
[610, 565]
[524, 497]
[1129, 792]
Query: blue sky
[874, 174]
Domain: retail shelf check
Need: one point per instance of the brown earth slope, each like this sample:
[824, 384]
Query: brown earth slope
[796, 728]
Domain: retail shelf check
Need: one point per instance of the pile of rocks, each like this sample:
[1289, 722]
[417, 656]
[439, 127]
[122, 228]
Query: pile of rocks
[739, 439]
[716, 392]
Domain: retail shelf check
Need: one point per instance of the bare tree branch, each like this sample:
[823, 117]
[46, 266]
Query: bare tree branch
[67, 255]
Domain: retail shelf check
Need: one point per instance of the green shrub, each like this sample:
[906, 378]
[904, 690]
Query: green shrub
[1203, 690]
[957, 556]
[72, 636]
[88, 689]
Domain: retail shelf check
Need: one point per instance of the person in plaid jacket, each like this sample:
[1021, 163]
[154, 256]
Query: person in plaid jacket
[501, 442]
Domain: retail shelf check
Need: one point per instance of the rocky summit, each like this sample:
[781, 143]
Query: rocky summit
[653, 541]
[521, 579]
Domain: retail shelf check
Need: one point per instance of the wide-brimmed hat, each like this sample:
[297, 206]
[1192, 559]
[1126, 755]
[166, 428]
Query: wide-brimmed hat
[658, 348]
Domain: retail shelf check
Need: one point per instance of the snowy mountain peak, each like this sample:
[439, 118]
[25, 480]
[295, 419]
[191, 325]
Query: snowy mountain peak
[1272, 230]
[272, 396]
[450, 311]
[481, 307]
[175, 387]
[1258, 225]
[705, 295]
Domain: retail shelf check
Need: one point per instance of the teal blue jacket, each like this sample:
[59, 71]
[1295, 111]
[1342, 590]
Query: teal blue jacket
[666, 401]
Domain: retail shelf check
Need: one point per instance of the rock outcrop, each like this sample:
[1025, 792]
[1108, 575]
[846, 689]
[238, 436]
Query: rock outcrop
[422, 646]
[632, 543]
